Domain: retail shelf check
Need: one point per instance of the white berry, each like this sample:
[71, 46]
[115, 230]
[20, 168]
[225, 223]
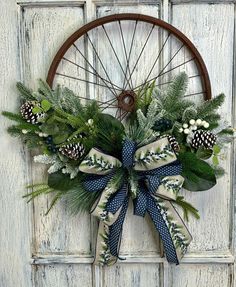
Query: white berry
[206, 125]
[90, 122]
[192, 122]
[204, 122]
[181, 130]
[194, 128]
[24, 131]
[198, 122]
[41, 134]
[186, 131]
[185, 126]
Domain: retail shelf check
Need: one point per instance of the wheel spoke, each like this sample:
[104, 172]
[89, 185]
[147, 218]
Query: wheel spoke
[162, 74]
[127, 69]
[99, 59]
[157, 58]
[126, 56]
[95, 74]
[82, 80]
[140, 54]
[113, 49]
[194, 94]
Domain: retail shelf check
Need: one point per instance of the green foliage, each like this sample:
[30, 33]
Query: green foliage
[144, 97]
[204, 153]
[187, 208]
[13, 117]
[208, 108]
[25, 93]
[227, 131]
[61, 182]
[80, 200]
[171, 103]
[110, 133]
[198, 174]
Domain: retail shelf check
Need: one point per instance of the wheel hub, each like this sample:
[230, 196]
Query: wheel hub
[127, 100]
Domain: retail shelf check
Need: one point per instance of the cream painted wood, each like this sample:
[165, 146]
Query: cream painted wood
[62, 247]
[15, 234]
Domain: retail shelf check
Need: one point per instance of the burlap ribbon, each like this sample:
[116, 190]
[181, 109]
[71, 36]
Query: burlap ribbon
[151, 176]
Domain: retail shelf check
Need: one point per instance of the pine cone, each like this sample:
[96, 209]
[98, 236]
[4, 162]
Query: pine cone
[27, 113]
[73, 150]
[173, 142]
[203, 138]
[162, 125]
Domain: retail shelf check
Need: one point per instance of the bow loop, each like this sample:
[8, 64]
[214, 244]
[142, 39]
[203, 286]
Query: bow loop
[99, 163]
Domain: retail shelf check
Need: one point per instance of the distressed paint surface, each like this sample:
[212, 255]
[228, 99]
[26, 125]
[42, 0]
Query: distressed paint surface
[14, 214]
[200, 275]
[211, 30]
[63, 246]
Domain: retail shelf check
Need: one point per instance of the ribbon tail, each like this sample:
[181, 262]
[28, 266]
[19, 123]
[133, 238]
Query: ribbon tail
[115, 230]
[173, 232]
[160, 224]
[109, 237]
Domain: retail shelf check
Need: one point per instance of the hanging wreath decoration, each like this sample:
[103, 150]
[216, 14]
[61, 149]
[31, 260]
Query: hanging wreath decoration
[99, 163]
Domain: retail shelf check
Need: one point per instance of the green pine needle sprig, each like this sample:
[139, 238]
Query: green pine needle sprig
[187, 208]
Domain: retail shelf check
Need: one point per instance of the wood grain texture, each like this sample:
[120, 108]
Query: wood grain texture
[61, 245]
[211, 31]
[14, 214]
[130, 275]
[200, 275]
[43, 31]
[64, 276]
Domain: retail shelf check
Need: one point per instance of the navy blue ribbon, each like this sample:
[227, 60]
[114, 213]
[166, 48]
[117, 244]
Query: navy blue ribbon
[149, 181]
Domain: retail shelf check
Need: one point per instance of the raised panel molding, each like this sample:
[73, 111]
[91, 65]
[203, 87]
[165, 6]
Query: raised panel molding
[63, 247]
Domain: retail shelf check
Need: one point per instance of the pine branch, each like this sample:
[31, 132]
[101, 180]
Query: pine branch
[13, 117]
[209, 107]
[187, 208]
[176, 89]
[80, 200]
[26, 93]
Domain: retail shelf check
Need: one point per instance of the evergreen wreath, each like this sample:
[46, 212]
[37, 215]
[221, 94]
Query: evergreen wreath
[98, 163]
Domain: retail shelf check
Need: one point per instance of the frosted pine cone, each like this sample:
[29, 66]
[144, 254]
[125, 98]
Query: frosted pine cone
[203, 138]
[73, 150]
[173, 142]
[27, 112]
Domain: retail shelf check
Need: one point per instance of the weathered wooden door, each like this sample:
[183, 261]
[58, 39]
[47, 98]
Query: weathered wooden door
[57, 250]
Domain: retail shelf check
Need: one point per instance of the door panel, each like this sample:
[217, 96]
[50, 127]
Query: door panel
[57, 250]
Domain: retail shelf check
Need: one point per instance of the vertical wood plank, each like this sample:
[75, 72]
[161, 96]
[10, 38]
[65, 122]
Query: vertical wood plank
[130, 275]
[14, 213]
[44, 29]
[64, 276]
[200, 275]
[210, 27]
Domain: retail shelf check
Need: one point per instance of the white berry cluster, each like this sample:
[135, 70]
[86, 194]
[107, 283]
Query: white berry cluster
[193, 126]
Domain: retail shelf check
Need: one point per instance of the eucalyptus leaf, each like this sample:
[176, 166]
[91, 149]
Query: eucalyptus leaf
[46, 105]
[204, 153]
[60, 138]
[216, 149]
[215, 160]
[198, 174]
[37, 110]
[50, 129]
[60, 181]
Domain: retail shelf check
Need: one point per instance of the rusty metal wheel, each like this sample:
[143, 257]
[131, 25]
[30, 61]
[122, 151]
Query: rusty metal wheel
[112, 59]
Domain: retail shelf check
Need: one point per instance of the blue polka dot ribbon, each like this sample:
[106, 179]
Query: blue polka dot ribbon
[158, 182]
